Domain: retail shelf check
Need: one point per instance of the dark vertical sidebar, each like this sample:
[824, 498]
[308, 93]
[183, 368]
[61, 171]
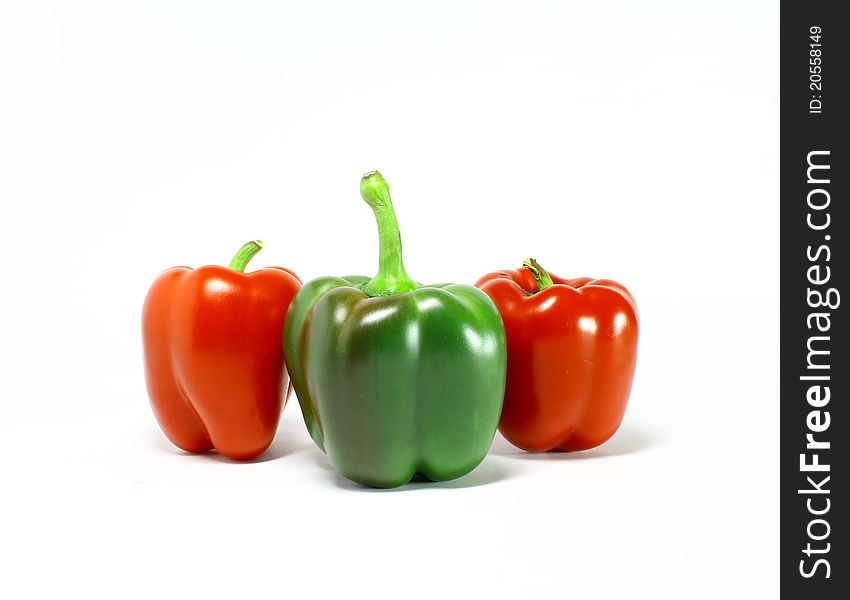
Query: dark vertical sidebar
[815, 371]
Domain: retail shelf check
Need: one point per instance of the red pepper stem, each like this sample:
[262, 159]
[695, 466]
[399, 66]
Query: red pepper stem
[541, 276]
[244, 255]
[391, 278]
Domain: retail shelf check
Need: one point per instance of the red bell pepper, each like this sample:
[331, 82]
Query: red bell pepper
[572, 349]
[213, 356]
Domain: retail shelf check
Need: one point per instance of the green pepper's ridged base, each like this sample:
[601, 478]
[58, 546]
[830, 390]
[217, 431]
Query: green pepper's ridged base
[397, 385]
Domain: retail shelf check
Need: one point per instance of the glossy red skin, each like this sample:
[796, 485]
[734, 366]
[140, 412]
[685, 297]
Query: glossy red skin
[572, 349]
[214, 359]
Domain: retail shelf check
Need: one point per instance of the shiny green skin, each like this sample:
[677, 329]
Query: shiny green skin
[399, 385]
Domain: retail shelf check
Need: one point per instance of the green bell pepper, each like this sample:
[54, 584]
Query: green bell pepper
[396, 379]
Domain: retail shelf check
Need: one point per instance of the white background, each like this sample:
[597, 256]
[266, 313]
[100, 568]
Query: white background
[636, 141]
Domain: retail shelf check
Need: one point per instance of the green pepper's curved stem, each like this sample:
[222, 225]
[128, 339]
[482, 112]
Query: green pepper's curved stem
[541, 276]
[244, 255]
[391, 278]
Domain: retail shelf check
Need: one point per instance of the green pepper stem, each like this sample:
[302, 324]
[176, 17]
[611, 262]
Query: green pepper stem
[391, 278]
[244, 255]
[541, 277]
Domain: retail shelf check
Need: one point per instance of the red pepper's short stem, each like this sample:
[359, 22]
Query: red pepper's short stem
[245, 254]
[541, 277]
[391, 278]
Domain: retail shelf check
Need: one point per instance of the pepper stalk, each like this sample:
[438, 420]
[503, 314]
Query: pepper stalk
[541, 276]
[391, 278]
[244, 255]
